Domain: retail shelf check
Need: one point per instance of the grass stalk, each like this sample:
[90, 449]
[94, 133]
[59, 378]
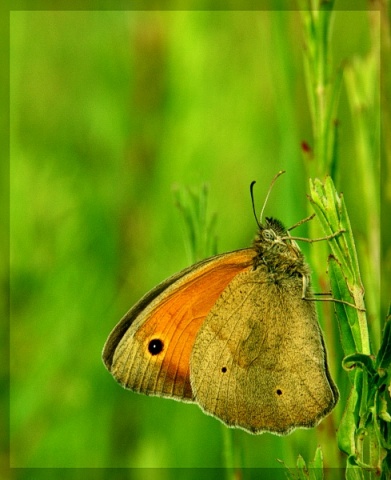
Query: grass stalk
[363, 432]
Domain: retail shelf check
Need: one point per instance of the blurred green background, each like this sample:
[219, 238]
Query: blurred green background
[109, 112]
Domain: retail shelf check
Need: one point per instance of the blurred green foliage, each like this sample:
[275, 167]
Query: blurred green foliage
[109, 112]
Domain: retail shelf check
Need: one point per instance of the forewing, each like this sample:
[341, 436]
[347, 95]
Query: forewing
[172, 313]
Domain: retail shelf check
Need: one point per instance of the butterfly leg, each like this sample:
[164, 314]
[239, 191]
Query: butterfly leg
[311, 299]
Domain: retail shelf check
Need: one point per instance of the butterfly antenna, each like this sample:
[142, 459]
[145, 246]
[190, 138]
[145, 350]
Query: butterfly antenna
[252, 201]
[268, 193]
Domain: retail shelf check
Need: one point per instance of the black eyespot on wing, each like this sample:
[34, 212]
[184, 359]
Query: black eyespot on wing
[279, 392]
[155, 346]
[224, 369]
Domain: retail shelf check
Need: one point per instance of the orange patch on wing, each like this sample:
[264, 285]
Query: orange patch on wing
[178, 317]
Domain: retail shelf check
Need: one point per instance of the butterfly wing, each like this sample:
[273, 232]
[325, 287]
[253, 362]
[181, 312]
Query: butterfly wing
[149, 350]
[259, 361]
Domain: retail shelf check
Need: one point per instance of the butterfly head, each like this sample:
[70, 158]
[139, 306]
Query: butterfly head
[274, 246]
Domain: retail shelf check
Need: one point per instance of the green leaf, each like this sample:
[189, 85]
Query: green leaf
[302, 468]
[346, 316]
[383, 407]
[359, 360]
[314, 470]
[353, 471]
[324, 201]
[331, 203]
[364, 394]
[350, 244]
[199, 228]
[383, 359]
[370, 448]
[316, 466]
[331, 212]
[347, 426]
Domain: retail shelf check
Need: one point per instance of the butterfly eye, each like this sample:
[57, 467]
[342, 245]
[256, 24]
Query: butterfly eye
[269, 235]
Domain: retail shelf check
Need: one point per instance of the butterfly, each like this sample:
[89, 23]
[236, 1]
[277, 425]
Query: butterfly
[235, 334]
